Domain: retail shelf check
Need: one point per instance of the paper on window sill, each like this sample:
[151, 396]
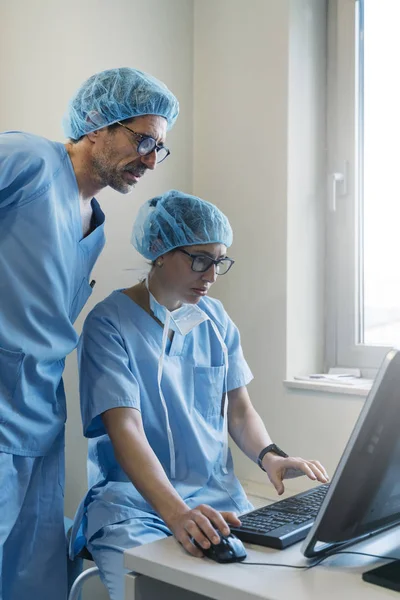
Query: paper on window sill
[335, 379]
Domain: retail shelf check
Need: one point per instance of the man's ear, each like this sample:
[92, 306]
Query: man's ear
[99, 121]
[93, 136]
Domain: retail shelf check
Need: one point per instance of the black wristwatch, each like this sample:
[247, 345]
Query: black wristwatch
[271, 448]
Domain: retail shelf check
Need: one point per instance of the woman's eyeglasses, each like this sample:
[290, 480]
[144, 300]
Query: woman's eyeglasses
[201, 263]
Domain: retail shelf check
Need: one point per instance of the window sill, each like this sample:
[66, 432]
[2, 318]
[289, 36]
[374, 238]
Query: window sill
[331, 388]
[261, 494]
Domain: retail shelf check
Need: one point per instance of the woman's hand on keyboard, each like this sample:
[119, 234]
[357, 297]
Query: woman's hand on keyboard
[279, 468]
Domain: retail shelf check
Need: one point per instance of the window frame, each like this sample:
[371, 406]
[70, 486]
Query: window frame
[344, 207]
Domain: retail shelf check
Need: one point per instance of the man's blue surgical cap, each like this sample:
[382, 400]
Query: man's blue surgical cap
[115, 95]
[176, 219]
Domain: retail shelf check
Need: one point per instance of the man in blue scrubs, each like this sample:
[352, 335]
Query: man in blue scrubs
[51, 234]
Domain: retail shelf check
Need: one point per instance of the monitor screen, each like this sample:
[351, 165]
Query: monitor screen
[364, 495]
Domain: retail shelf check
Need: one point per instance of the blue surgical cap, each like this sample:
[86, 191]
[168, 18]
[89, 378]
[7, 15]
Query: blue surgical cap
[115, 95]
[176, 219]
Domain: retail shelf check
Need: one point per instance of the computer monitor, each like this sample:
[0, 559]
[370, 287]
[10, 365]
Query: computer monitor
[364, 495]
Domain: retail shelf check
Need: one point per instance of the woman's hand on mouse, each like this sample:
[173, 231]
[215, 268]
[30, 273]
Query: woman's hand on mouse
[279, 468]
[201, 524]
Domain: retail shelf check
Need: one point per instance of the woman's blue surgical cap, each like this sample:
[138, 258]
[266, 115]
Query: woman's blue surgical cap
[115, 95]
[176, 219]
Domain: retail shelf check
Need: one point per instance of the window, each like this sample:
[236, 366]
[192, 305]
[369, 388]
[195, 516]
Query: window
[363, 217]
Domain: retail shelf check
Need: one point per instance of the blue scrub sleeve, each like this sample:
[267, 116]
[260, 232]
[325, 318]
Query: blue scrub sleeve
[106, 380]
[239, 373]
[23, 170]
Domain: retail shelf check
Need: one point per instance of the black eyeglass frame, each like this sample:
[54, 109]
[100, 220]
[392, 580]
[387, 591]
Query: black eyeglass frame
[157, 147]
[213, 261]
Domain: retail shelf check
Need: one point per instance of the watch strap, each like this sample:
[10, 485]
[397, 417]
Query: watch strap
[271, 448]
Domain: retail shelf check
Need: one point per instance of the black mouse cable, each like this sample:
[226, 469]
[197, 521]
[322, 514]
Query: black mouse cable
[318, 562]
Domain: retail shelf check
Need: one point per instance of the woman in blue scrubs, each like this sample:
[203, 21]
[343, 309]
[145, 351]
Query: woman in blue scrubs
[163, 379]
[51, 234]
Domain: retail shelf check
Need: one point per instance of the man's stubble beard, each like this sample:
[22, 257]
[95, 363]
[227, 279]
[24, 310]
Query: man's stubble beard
[108, 176]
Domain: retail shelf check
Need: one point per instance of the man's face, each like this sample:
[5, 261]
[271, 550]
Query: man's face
[115, 160]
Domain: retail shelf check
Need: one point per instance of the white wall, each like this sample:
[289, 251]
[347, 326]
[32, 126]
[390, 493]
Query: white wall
[47, 49]
[259, 154]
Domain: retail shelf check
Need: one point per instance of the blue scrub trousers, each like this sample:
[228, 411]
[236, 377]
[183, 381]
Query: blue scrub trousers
[33, 545]
[108, 544]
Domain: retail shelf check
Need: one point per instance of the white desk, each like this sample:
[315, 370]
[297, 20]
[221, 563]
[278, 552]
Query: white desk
[166, 571]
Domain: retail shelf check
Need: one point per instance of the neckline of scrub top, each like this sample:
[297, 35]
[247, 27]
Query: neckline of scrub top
[176, 345]
[99, 215]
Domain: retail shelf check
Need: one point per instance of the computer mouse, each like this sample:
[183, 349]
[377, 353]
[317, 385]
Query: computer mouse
[229, 549]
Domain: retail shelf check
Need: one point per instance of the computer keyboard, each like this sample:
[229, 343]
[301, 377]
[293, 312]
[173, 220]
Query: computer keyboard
[282, 523]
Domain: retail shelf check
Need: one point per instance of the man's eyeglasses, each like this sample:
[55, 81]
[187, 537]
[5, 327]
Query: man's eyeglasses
[201, 263]
[147, 145]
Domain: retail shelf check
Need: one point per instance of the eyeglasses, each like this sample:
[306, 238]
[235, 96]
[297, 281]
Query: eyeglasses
[147, 145]
[201, 263]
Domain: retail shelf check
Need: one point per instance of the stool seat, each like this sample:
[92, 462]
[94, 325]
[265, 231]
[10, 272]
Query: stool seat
[85, 554]
[76, 578]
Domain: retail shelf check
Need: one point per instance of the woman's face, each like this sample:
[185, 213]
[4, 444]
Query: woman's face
[182, 284]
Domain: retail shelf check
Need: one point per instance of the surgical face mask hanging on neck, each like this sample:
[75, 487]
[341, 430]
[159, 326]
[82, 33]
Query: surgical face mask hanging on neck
[183, 320]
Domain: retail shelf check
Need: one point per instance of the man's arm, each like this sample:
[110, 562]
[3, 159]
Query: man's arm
[250, 434]
[136, 457]
[23, 170]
